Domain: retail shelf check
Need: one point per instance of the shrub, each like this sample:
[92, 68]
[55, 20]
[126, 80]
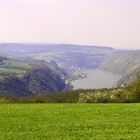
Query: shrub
[135, 90]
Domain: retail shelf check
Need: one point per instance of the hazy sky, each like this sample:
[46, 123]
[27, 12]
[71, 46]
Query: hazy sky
[114, 23]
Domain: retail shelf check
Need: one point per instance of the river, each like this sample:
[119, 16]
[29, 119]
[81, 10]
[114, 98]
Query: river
[96, 79]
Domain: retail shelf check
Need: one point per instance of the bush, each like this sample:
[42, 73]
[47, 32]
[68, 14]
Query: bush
[135, 90]
[108, 96]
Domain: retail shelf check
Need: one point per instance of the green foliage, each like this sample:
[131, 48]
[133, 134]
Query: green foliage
[69, 97]
[135, 89]
[110, 96]
[3, 100]
[7, 99]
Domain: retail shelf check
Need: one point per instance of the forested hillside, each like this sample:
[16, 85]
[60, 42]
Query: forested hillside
[19, 78]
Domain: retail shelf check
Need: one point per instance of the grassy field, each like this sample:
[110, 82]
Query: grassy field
[69, 121]
[13, 67]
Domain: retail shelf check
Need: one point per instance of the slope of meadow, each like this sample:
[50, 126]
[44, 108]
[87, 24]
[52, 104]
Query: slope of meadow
[69, 121]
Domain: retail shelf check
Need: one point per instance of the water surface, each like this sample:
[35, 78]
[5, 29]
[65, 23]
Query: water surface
[96, 79]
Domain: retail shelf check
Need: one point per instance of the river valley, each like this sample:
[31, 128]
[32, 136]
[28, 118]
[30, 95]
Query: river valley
[96, 79]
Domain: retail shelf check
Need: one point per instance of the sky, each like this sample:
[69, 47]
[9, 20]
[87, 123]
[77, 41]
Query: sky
[114, 23]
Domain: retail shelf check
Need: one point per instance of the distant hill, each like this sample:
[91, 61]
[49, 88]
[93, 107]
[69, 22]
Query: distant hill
[122, 62]
[129, 78]
[25, 48]
[82, 56]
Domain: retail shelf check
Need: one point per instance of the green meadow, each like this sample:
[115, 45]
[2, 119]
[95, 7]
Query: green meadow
[69, 121]
[14, 68]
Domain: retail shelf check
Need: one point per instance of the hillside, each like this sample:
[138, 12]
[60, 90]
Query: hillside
[129, 78]
[122, 62]
[18, 78]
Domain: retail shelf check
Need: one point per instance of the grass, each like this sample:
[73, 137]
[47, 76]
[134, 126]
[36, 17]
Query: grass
[11, 70]
[16, 64]
[13, 67]
[70, 121]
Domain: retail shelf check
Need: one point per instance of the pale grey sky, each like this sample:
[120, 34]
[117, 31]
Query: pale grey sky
[114, 23]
